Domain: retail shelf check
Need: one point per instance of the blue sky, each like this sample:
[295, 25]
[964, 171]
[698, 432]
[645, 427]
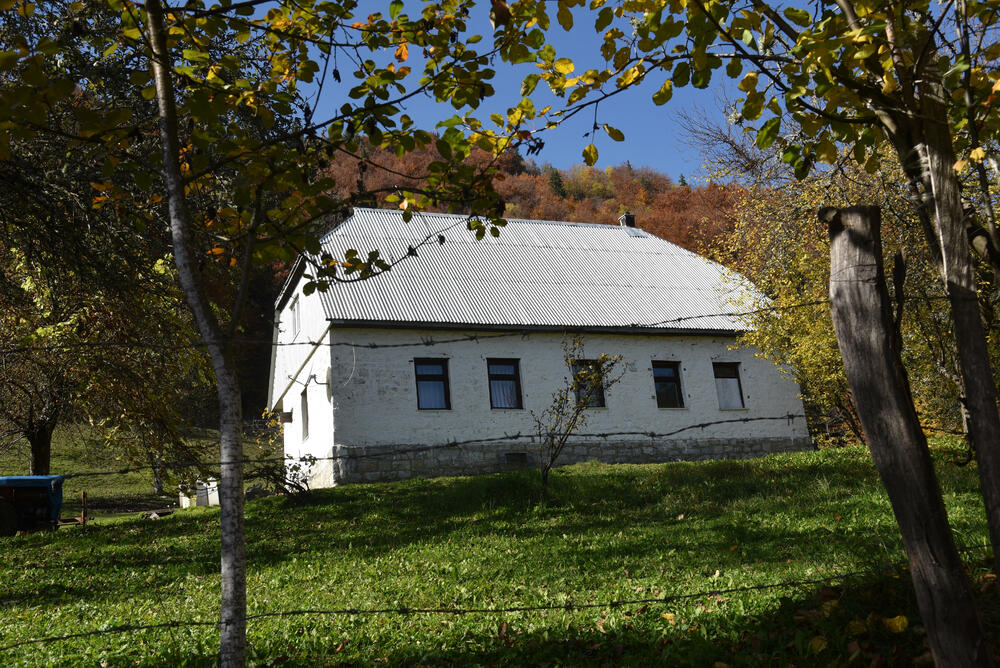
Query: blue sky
[653, 135]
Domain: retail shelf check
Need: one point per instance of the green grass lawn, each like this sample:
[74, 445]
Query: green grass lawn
[75, 452]
[608, 533]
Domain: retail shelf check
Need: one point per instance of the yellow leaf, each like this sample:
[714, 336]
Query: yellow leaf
[749, 82]
[402, 52]
[590, 155]
[669, 616]
[896, 624]
[818, 644]
[629, 76]
[977, 154]
[960, 165]
[856, 627]
[663, 95]
[564, 66]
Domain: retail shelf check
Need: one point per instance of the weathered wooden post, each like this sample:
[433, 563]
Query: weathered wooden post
[862, 320]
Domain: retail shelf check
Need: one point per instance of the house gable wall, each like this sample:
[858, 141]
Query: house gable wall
[300, 365]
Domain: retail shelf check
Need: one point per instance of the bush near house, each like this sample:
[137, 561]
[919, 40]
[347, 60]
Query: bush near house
[607, 533]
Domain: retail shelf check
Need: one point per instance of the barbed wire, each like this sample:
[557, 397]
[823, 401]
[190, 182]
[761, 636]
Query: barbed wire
[390, 451]
[426, 341]
[568, 606]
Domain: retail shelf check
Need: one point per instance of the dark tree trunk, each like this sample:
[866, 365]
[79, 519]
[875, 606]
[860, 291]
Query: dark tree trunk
[40, 440]
[232, 631]
[862, 319]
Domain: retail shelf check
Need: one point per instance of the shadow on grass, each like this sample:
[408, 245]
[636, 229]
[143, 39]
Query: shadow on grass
[723, 504]
[869, 621]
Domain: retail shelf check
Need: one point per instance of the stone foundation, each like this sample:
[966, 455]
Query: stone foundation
[351, 464]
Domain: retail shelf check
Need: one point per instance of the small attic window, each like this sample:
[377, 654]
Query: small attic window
[293, 314]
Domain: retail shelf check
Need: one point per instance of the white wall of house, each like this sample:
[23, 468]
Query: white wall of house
[301, 369]
[372, 399]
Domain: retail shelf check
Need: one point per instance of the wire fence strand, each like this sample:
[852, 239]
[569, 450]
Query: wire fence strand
[568, 606]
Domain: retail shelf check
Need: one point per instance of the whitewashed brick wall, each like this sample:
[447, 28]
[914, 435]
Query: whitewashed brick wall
[370, 405]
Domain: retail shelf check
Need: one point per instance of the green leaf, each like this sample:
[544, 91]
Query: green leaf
[395, 7]
[590, 155]
[604, 18]
[565, 17]
[701, 77]
[682, 74]
[444, 148]
[799, 17]
[8, 59]
[529, 83]
[768, 133]
[195, 55]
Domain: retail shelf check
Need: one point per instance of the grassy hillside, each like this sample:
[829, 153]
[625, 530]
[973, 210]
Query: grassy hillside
[609, 533]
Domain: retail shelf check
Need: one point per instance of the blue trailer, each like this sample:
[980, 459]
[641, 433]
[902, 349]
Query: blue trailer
[29, 503]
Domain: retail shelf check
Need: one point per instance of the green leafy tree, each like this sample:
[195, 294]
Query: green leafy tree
[854, 74]
[780, 246]
[239, 155]
[860, 75]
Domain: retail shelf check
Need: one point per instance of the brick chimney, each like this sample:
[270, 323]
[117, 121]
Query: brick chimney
[627, 219]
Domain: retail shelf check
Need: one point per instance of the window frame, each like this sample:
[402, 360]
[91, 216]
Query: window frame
[600, 394]
[516, 377]
[735, 366]
[676, 367]
[442, 377]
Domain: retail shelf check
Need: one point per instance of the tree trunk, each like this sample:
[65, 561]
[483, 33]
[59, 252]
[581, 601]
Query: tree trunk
[40, 440]
[862, 319]
[960, 284]
[232, 644]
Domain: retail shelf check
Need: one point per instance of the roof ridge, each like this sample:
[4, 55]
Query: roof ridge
[543, 221]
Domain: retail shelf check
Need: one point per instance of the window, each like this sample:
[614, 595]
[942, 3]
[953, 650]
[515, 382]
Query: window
[667, 380]
[588, 383]
[505, 383]
[727, 385]
[432, 384]
[293, 312]
[304, 407]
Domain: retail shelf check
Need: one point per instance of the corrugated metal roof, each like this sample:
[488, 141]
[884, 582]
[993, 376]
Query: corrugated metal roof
[536, 274]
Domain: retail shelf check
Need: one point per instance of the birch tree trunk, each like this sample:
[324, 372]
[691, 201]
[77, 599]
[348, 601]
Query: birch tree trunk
[232, 646]
[960, 284]
[862, 319]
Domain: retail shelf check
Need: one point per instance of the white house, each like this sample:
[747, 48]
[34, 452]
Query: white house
[437, 366]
